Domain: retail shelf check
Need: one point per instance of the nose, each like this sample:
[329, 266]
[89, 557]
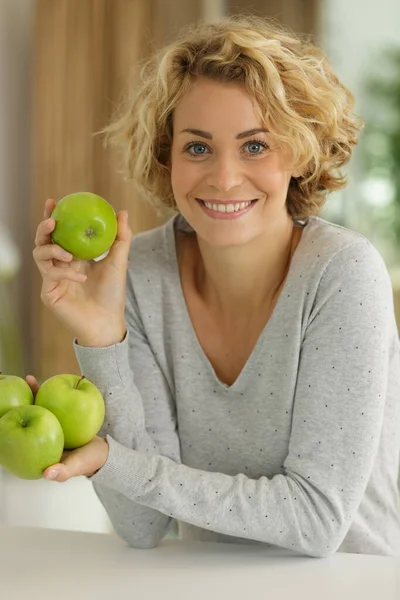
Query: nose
[224, 174]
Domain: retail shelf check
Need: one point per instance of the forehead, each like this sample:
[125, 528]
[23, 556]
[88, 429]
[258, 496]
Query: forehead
[222, 105]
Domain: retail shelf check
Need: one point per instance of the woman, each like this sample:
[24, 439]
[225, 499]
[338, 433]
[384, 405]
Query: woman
[247, 350]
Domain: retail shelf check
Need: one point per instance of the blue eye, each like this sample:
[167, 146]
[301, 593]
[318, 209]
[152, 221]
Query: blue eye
[256, 147]
[195, 146]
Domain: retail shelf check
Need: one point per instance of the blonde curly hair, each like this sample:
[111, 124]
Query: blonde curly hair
[301, 102]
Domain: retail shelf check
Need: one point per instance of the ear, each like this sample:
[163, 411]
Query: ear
[294, 167]
[297, 174]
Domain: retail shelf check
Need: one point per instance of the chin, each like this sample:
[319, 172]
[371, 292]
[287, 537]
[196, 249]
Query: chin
[226, 239]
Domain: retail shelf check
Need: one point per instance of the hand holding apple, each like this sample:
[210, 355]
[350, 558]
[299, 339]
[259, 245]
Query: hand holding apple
[83, 461]
[88, 297]
[35, 438]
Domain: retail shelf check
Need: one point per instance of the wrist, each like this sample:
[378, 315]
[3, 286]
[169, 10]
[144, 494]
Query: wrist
[103, 455]
[102, 341]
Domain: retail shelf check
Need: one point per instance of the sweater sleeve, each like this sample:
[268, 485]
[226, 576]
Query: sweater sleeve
[336, 423]
[143, 420]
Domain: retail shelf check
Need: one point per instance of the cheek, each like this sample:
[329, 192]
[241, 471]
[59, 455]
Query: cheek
[272, 178]
[178, 181]
[184, 174]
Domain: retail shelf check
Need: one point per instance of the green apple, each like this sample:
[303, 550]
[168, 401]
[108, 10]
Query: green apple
[14, 391]
[31, 439]
[86, 225]
[78, 405]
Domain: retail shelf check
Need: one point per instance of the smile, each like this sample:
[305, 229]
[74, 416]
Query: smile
[230, 210]
[226, 208]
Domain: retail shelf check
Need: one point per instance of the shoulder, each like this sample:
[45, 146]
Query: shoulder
[149, 241]
[338, 258]
[337, 249]
[329, 238]
[151, 251]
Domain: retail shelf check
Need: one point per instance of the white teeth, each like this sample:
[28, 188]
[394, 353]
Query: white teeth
[228, 208]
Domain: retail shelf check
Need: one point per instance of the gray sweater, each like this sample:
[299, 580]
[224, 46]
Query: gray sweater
[301, 452]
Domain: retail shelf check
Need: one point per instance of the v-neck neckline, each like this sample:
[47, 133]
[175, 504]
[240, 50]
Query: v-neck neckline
[183, 308]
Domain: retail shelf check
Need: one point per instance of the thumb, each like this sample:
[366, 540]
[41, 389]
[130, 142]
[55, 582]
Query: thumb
[118, 254]
[62, 471]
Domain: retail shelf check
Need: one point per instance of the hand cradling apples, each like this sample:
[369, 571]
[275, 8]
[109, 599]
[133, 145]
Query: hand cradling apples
[66, 413]
[81, 251]
[67, 410]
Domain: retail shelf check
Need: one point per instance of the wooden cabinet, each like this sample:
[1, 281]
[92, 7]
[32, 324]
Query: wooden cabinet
[84, 54]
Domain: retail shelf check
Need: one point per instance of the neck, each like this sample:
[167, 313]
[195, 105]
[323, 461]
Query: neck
[236, 281]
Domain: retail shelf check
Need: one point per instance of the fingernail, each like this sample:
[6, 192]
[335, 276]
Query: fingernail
[52, 474]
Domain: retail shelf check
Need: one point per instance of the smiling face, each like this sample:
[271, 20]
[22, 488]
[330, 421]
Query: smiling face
[229, 178]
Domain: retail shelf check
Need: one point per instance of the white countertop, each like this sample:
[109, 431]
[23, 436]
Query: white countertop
[65, 565]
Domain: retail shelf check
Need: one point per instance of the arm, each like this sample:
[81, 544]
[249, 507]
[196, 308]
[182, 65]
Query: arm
[337, 419]
[144, 420]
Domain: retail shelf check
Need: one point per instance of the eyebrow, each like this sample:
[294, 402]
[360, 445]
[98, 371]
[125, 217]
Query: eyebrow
[239, 136]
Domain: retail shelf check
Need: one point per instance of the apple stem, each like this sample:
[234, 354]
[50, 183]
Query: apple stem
[78, 382]
[23, 423]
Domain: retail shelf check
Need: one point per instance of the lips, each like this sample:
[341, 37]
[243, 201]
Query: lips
[213, 201]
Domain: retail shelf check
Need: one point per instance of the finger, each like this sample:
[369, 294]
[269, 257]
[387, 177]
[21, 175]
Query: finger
[70, 466]
[57, 274]
[124, 231]
[49, 206]
[44, 231]
[33, 384]
[45, 255]
[58, 472]
[53, 278]
[119, 251]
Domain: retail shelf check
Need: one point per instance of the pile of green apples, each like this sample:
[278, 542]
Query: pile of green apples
[66, 413]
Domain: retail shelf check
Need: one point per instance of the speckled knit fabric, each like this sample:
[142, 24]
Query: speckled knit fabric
[301, 452]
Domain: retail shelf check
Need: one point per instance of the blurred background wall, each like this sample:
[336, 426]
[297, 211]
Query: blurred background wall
[63, 67]
[16, 194]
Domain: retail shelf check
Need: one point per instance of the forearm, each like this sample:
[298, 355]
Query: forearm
[108, 368]
[285, 511]
[125, 421]
[140, 526]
